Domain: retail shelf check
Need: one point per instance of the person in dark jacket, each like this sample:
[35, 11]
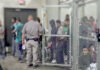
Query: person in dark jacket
[53, 40]
[66, 40]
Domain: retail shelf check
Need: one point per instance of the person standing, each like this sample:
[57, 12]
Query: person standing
[13, 36]
[59, 54]
[40, 42]
[93, 54]
[31, 31]
[2, 47]
[66, 40]
[83, 32]
[53, 41]
[18, 39]
[92, 27]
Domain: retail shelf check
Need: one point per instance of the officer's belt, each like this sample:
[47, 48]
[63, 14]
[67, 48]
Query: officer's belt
[35, 39]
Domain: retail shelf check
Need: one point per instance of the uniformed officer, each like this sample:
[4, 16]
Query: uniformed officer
[31, 31]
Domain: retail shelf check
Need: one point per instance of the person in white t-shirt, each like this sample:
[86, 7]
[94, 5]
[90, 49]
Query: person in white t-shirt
[59, 54]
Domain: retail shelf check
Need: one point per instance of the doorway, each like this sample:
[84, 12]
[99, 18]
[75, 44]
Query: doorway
[21, 13]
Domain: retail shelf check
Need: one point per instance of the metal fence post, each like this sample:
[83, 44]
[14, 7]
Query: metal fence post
[75, 36]
[98, 54]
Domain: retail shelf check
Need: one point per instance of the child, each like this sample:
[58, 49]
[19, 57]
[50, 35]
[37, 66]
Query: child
[85, 60]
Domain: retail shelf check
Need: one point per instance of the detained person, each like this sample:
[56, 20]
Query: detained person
[18, 39]
[53, 41]
[85, 59]
[13, 36]
[2, 46]
[59, 54]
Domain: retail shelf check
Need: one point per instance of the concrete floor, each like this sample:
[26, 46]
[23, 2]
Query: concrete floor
[11, 63]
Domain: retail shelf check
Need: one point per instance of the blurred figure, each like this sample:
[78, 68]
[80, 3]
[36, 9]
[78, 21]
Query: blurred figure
[66, 40]
[85, 60]
[92, 51]
[53, 41]
[84, 27]
[31, 31]
[67, 18]
[18, 39]
[83, 32]
[13, 36]
[66, 27]
[39, 21]
[98, 34]
[93, 26]
[2, 46]
[40, 41]
[92, 21]
[59, 53]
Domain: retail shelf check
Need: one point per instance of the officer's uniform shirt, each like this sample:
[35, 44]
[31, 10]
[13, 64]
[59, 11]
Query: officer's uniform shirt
[32, 29]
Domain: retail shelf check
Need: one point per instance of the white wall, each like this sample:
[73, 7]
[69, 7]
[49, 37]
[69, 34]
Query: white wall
[88, 10]
[15, 4]
[91, 10]
[64, 12]
[51, 13]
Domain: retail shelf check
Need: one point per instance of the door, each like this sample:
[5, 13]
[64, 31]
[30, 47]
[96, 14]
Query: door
[19, 13]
